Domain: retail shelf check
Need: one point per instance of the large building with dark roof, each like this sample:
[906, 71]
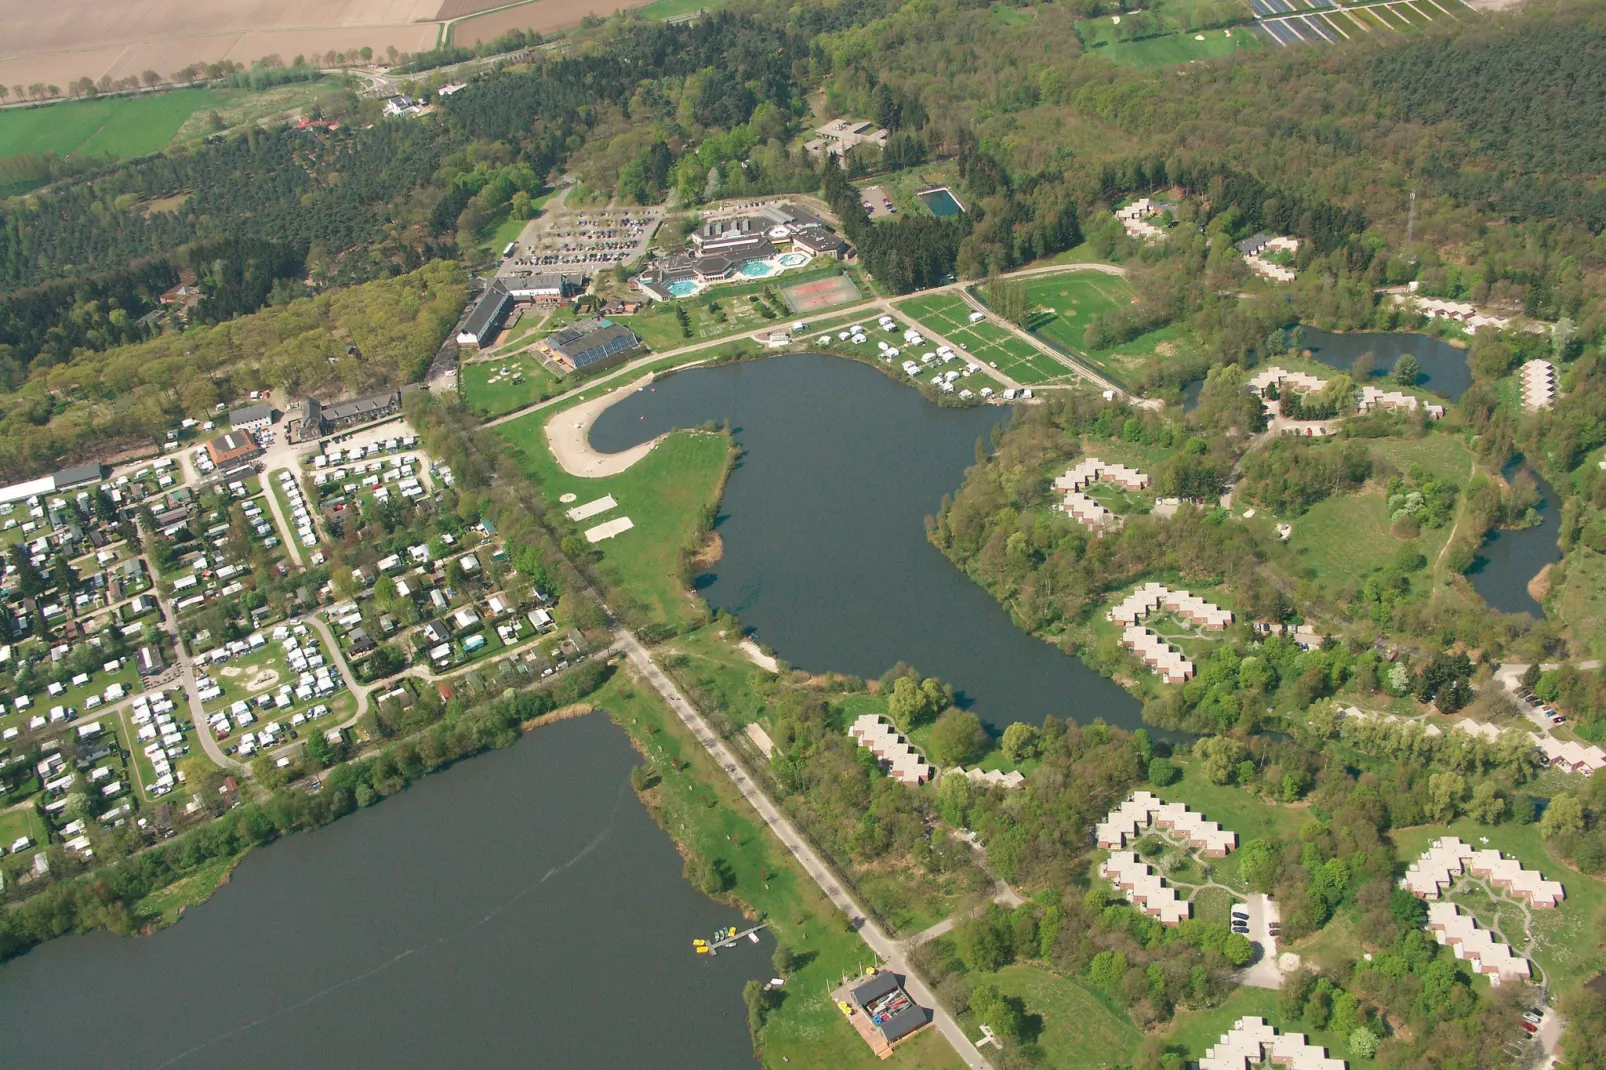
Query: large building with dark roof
[361, 410]
[235, 447]
[486, 318]
[590, 343]
[251, 418]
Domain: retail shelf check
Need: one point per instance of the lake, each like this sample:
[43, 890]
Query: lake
[1507, 560]
[520, 909]
[823, 522]
[1444, 367]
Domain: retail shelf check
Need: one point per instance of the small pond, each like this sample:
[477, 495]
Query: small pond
[1444, 367]
[1507, 560]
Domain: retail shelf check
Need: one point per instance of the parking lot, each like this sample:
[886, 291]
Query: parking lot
[583, 241]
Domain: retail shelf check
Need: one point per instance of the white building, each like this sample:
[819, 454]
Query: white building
[1251, 1042]
[900, 760]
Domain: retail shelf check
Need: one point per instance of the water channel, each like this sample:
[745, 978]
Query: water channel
[1507, 560]
[1444, 367]
[826, 555]
[521, 909]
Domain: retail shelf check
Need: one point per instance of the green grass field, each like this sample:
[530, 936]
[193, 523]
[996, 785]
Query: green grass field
[664, 494]
[534, 383]
[1011, 16]
[985, 342]
[699, 804]
[123, 126]
[1062, 305]
[1178, 48]
[1126, 362]
[1346, 536]
[1080, 1030]
[1250, 816]
[163, 906]
[1198, 1031]
[1571, 942]
[660, 329]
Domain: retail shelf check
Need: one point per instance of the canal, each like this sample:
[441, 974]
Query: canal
[823, 522]
[521, 909]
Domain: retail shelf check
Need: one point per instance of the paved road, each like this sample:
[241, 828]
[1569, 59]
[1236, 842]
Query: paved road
[888, 949]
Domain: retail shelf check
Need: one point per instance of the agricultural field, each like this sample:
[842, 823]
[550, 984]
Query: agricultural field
[125, 127]
[986, 343]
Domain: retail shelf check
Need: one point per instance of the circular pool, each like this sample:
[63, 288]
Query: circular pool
[683, 288]
[792, 260]
[758, 269]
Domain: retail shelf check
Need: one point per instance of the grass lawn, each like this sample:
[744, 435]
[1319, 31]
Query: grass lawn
[1569, 939]
[1080, 1031]
[1012, 16]
[1179, 48]
[527, 381]
[1197, 1031]
[698, 804]
[1347, 536]
[164, 905]
[668, 9]
[664, 494]
[1441, 453]
[123, 126]
[1126, 362]
[718, 675]
[1579, 599]
[985, 343]
[1062, 305]
[1250, 816]
[23, 821]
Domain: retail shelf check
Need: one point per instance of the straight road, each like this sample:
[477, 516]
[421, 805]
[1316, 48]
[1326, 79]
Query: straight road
[890, 951]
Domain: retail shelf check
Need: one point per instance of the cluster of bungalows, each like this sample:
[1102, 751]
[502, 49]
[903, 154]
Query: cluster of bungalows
[365, 468]
[1084, 474]
[1538, 379]
[1251, 1042]
[1145, 810]
[1254, 251]
[1468, 316]
[300, 515]
[992, 778]
[156, 729]
[1477, 947]
[1285, 380]
[1134, 220]
[900, 760]
[1190, 607]
[1571, 756]
[1371, 399]
[314, 679]
[1169, 663]
[1146, 889]
[1431, 875]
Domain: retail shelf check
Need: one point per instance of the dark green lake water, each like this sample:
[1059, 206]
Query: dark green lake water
[826, 555]
[1507, 560]
[520, 909]
[1444, 367]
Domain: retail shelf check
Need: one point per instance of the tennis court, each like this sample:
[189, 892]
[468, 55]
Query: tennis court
[820, 293]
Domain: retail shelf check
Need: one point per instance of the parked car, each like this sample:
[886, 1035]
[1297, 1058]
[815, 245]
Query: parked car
[1533, 1016]
[1528, 1026]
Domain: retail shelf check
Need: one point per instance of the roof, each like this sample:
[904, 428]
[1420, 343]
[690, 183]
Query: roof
[370, 403]
[492, 304]
[597, 340]
[227, 447]
[250, 414]
[875, 988]
[82, 473]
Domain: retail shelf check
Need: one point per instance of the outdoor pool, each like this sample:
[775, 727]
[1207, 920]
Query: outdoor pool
[941, 202]
[758, 269]
[683, 288]
[792, 260]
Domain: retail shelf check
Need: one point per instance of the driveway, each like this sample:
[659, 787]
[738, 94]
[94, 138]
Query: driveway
[1263, 971]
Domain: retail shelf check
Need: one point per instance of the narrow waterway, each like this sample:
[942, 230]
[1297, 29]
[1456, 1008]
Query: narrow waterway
[1444, 367]
[521, 909]
[825, 547]
[1508, 560]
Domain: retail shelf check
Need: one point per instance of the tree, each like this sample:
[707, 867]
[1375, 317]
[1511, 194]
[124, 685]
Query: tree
[914, 702]
[1257, 861]
[982, 943]
[1219, 755]
[1162, 771]
[957, 738]
[1006, 1015]
[1563, 817]
[1444, 796]
[1407, 369]
[1020, 741]
[1487, 806]
[1362, 1043]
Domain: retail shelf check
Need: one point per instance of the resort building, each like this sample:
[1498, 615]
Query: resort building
[1151, 596]
[897, 757]
[591, 343]
[774, 239]
[992, 778]
[1085, 473]
[544, 289]
[839, 136]
[1432, 874]
[1571, 756]
[1538, 378]
[1474, 946]
[1134, 219]
[486, 318]
[1251, 1042]
[233, 448]
[880, 1011]
[1144, 810]
[1254, 252]
[1283, 379]
[361, 410]
[1145, 889]
[251, 418]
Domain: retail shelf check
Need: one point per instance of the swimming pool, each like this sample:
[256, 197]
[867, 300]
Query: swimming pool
[758, 269]
[792, 260]
[941, 202]
[683, 288]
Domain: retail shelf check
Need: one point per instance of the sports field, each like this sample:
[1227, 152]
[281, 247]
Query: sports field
[986, 342]
[820, 293]
[1062, 305]
[123, 126]
[1179, 48]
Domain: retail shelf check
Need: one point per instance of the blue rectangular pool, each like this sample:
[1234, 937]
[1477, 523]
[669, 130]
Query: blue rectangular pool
[941, 202]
